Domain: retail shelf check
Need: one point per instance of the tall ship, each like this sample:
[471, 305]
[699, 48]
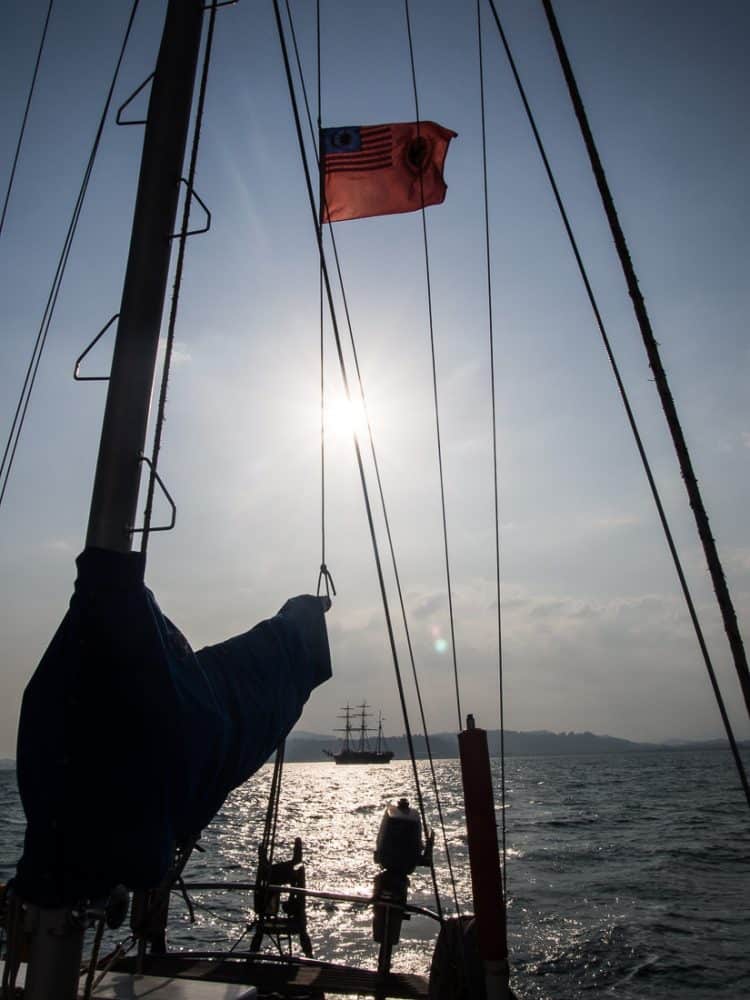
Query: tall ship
[356, 747]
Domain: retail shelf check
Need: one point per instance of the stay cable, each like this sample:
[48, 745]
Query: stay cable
[495, 463]
[435, 385]
[628, 410]
[25, 118]
[19, 417]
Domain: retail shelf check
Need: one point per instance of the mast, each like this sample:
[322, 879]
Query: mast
[363, 730]
[118, 470]
[347, 730]
[56, 935]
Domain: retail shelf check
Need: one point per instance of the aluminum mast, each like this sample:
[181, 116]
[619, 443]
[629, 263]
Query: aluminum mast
[57, 934]
[118, 470]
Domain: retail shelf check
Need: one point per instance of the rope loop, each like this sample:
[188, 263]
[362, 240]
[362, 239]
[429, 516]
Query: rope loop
[325, 578]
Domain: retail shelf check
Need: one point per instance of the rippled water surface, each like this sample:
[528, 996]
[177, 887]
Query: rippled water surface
[628, 875]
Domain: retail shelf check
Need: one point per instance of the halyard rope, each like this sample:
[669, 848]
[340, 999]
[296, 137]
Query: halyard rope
[357, 449]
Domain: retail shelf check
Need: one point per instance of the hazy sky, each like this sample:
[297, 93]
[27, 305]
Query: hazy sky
[596, 635]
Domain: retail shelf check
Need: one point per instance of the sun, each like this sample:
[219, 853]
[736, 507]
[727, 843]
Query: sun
[344, 417]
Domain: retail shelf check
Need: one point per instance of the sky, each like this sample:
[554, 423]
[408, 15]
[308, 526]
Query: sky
[595, 632]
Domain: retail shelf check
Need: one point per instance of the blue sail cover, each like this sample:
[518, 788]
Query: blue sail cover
[129, 741]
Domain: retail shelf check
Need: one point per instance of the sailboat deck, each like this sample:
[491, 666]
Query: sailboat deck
[124, 986]
[297, 978]
[174, 977]
[121, 986]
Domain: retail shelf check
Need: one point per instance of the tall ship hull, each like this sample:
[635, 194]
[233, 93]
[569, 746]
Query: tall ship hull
[362, 757]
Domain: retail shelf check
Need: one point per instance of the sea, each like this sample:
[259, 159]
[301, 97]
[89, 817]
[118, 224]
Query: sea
[628, 875]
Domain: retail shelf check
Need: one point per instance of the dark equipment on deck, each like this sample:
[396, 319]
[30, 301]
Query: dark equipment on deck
[274, 917]
[398, 849]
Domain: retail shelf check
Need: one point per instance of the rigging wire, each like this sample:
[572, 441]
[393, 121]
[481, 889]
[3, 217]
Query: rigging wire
[493, 394]
[347, 390]
[434, 382]
[19, 417]
[324, 576]
[723, 597]
[182, 247]
[219, 916]
[25, 115]
[628, 409]
[268, 843]
[279, 771]
[105, 964]
[381, 493]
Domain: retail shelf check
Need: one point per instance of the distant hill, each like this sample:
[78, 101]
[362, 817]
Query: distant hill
[303, 746]
[309, 746]
[717, 744]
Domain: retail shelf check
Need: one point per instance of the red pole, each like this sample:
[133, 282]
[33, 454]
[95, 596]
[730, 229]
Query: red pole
[484, 857]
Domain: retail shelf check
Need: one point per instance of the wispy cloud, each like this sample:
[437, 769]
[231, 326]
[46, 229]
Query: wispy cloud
[180, 351]
[739, 558]
[617, 521]
[427, 605]
[180, 354]
[58, 545]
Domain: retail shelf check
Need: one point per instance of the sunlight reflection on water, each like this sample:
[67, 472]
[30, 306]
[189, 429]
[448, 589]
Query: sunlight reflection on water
[627, 874]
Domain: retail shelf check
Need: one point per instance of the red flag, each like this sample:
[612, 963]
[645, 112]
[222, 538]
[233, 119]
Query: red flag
[382, 169]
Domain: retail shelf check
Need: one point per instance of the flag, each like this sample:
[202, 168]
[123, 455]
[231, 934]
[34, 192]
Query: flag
[382, 169]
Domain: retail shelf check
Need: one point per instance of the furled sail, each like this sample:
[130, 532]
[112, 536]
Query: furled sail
[129, 741]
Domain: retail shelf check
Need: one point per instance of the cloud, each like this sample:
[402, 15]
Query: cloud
[634, 623]
[617, 521]
[180, 354]
[426, 605]
[59, 545]
[547, 609]
[739, 559]
[545, 625]
[625, 664]
[180, 351]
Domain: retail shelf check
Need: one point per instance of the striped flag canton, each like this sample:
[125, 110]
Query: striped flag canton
[364, 147]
